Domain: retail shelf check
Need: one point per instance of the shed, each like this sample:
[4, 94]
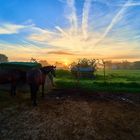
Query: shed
[25, 66]
[83, 72]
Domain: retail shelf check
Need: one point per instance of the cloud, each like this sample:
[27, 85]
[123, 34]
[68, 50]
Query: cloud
[125, 56]
[85, 16]
[63, 41]
[72, 17]
[31, 28]
[23, 50]
[61, 31]
[60, 53]
[9, 28]
[116, 19]
[131, 4]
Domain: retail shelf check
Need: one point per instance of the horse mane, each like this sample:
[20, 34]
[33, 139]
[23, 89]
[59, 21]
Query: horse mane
[47, 69]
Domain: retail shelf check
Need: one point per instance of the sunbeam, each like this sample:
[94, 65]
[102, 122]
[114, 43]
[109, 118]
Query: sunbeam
[84, 28]
[85, 24]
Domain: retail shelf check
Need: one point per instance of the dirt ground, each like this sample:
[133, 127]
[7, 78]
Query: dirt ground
[73, 115]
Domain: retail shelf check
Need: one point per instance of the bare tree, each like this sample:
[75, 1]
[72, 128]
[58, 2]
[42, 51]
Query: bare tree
[44, 62]
[33, 60]
[3, 58]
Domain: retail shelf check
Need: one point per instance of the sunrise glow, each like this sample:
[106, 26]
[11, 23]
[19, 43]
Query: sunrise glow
[72, 29]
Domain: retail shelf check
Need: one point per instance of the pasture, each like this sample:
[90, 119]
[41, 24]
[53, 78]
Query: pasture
[115, 81]
[84, 109]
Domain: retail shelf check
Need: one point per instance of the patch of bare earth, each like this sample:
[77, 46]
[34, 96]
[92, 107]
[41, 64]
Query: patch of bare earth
[70, 115]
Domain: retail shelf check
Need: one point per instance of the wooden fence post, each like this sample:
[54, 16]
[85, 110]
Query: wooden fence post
[104, 70]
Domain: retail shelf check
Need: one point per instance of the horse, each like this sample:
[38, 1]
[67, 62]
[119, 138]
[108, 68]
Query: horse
[36, 78]
[33, 77]
[11, 76]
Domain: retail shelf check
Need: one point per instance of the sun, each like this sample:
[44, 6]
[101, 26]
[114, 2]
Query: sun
[66, 62]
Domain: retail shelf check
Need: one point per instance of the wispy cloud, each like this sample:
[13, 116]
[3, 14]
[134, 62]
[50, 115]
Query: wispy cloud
[131, 4]
[61, 31]
[72, 15]
[76, 40]
[9, 28]
[115, 20]
[85, 16]
[61, 53]
[125, 56]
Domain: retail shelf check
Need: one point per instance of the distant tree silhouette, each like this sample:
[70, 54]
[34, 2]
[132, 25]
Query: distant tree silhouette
[33, 60]
[136, 65]
[109, 64]
[84, 62]
[43, 62]
[3, 58]
[125, 64]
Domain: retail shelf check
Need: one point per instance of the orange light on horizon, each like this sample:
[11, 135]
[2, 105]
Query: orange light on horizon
[66, 62]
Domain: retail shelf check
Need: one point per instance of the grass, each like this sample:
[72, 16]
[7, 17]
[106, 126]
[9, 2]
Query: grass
[125, 76]
[116, 81]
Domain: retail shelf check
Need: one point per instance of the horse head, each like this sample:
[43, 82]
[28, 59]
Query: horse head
[49, 69]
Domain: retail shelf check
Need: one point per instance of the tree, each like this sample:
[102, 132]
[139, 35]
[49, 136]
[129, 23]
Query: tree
[87, 63]
[33, 60]
[126, 64]
[3, 58]
[136, 65]
[44, 62]
[108, 64]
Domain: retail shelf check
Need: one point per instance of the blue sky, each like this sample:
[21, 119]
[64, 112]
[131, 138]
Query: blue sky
[63, 30]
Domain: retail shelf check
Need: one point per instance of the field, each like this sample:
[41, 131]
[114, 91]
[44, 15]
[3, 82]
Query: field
[79, 110]
[115, 81]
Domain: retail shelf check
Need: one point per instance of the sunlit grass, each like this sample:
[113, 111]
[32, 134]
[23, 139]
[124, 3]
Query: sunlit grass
[116, 81]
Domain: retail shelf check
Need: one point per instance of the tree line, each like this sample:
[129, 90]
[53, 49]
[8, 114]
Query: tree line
[122, 65]
[90, 62]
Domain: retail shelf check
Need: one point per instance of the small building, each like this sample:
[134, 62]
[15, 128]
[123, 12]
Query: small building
[83, 72]
[24, 66]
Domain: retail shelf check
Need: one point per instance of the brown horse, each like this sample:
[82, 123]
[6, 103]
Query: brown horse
[37, 77]
[12, 77]
[34, 77]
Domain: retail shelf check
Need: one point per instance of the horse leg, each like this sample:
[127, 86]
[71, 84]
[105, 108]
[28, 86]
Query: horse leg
[34, 97]
[43, 90]
[34, 93]
[31, 91]
[13, 89]
[51, 79]
[52, 82]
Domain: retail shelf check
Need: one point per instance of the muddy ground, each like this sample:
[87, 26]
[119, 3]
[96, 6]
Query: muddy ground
[73, 114]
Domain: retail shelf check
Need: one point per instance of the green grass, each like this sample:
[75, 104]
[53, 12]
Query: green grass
[116, 81]
[126, 76]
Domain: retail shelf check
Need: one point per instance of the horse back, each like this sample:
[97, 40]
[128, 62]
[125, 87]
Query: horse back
[34, 76]
[8, 76]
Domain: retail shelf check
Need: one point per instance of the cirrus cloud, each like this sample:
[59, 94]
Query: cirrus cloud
[9, 28]
[61, 53]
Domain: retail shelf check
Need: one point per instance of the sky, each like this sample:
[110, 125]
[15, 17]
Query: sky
[65, 30]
